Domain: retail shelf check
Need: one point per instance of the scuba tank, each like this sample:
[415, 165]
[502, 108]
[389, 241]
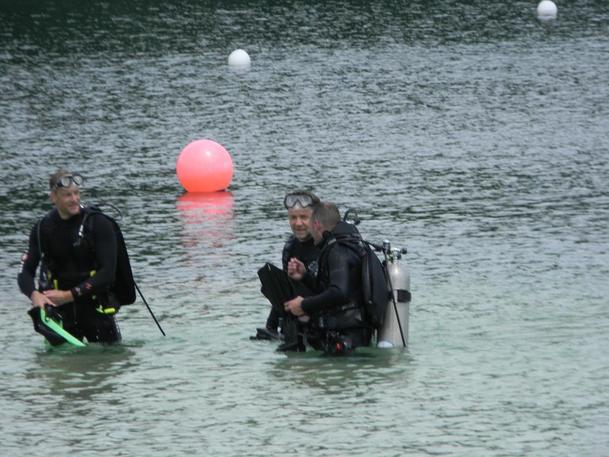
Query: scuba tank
[394, 332]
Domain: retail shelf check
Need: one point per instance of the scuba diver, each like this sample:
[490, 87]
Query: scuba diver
[334, 316]
[81, 283]
[300, 245]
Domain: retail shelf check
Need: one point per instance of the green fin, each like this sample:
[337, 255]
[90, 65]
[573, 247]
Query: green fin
[53, 325]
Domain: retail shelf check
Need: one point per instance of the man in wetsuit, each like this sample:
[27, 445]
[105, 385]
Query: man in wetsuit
[335, 313]
[77, 264]
[299, 245]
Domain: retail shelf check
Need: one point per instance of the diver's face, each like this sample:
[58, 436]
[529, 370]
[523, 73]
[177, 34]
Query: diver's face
[300, 219]
[67, 201]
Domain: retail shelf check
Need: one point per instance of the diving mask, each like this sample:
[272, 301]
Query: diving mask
[68, 180]
[303, 199]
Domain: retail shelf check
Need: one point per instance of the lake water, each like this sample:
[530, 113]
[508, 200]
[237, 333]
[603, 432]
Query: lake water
[468, 132]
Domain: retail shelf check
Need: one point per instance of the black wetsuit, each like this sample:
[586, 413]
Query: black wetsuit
[84, 265]
[336, 311]
[307, 253]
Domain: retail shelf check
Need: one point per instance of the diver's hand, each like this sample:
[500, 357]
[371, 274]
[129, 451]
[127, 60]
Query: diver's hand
[296, 269]
[40, 300]
[294, 306]
[59, 297]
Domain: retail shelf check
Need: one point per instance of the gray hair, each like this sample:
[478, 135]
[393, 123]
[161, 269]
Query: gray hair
[326, 214]
[55, 177]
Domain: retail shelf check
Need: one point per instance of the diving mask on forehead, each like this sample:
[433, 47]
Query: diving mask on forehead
[68, 180]
[302, 199]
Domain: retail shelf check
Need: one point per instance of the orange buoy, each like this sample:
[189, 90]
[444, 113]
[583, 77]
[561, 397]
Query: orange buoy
[204, 166]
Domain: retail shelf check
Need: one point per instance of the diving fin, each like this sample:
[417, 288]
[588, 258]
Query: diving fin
[293, 336]
[51, 329]
[276, 286]
[266, 334]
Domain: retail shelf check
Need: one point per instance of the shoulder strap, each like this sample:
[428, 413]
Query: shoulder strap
[87, 211]
[38, 237]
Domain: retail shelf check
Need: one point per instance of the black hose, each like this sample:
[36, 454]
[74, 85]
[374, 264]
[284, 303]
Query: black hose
[149, 310]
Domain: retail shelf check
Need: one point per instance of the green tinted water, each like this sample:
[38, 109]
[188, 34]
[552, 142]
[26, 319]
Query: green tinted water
[467, 132]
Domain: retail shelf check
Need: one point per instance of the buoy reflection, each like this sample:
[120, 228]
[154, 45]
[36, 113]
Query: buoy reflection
[207, 217]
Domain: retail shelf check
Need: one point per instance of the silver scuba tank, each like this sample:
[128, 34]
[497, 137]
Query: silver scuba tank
[394, 332]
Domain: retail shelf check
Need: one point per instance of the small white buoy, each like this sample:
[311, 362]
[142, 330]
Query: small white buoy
[546, 10]
[239, 58]
[384, 345]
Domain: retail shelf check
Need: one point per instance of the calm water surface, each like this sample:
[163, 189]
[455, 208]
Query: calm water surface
[468, 132]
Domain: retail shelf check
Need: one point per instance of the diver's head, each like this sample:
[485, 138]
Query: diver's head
[64, 193]
[324, 218]
[300, 206]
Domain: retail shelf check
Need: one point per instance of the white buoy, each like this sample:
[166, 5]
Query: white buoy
[385, 345]
[239, 58]
[546, 10]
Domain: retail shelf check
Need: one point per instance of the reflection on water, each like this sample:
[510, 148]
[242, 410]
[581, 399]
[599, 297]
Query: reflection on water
[77, 388]
[365, 367]
[207, 218]
[77, 375]
[207, 232]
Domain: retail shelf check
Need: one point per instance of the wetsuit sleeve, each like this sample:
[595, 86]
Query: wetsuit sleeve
[337, 292]
[105, 259]
[29, 264]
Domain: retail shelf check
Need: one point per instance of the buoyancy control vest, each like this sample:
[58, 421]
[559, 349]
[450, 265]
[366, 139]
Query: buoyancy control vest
[122, 287]
[374, 285]
[339, 307]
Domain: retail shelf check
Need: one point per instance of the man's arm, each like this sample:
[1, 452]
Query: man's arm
[27, 271]
[29, 263]
[337, 292]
